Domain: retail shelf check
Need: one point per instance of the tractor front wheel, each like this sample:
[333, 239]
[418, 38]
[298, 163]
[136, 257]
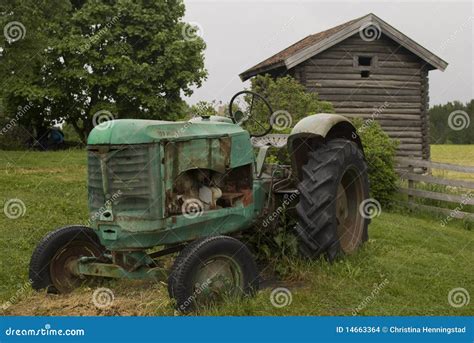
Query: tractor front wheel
[211, 269]
[333, 185]
[51, 262]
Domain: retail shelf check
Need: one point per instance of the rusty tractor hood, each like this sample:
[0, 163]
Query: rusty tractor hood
[138, 131]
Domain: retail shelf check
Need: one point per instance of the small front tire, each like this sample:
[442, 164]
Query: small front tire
[50, 262]
[210, 269]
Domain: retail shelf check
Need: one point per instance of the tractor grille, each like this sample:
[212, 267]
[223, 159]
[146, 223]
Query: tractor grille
[128, 185]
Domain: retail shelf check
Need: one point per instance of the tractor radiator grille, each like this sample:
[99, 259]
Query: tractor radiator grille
[128, 185]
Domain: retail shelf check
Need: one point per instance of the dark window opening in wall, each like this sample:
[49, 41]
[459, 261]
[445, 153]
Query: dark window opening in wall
[365, 61]
[364, 73]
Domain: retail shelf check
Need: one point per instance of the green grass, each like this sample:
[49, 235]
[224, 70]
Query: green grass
[454, 154]
[420, 260]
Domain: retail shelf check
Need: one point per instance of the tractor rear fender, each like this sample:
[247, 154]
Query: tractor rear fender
[314, 130]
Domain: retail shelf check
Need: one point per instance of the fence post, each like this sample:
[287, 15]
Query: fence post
[411, 170]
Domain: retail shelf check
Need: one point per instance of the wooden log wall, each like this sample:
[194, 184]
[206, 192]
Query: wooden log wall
[395, 93]
[425, 128]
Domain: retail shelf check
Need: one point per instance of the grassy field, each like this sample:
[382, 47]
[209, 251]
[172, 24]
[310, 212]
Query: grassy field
[455, 154]
[408, 266]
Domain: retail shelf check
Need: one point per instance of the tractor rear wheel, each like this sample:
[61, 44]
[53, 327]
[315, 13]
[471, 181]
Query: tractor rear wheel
[334, 183]
[211, 269]
[50, 265]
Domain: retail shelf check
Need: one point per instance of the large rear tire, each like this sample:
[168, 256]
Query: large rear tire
[334, 183]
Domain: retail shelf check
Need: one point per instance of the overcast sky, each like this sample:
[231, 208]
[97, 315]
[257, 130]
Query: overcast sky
[239, 34]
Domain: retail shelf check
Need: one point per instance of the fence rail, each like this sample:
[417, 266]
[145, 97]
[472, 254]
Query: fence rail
[407, 172]
[434, 165]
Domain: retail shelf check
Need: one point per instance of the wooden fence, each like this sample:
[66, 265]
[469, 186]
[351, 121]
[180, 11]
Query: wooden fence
[407, 171]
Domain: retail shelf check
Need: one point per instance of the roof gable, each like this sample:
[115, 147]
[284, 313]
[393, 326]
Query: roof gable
[369, 27]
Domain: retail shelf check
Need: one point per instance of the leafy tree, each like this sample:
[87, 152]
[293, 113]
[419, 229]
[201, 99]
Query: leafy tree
[290, 103]
[30, 28]
[450, 127]
[287, 94]
[124, 58]
[203, 108]
[70, 135]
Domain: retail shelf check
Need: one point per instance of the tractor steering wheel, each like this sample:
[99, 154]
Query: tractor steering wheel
[257, 127]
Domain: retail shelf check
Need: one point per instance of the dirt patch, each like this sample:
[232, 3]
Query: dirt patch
[130, 298]
[113, 298]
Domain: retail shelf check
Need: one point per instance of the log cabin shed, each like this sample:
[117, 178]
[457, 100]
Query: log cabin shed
[369, 70]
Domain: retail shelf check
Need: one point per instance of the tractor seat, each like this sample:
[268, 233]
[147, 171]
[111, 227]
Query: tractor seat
[274, 140]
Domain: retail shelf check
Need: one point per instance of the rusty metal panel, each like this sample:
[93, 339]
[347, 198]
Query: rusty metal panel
[204, 153]
[125, 176]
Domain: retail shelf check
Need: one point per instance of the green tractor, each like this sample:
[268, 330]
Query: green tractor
[159, 187]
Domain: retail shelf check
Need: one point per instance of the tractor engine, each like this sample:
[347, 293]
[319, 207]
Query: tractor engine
[198, 190]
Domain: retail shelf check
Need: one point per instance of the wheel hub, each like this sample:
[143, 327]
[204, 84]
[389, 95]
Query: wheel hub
[62, 269]
[217, 278]
[349, 221]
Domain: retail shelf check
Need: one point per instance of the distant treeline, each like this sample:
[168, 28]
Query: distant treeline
[452, 123]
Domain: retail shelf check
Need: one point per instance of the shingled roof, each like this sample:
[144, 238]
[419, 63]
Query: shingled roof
[318, 42]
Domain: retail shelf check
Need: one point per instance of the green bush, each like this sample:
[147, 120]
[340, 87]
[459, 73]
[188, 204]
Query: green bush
[275, 245]
[12, 135]
[70, 135]
[380, 153]
[203, 108]
[287, 94]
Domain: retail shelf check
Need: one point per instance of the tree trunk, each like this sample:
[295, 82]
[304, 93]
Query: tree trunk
[80, 131]
[41, 135]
